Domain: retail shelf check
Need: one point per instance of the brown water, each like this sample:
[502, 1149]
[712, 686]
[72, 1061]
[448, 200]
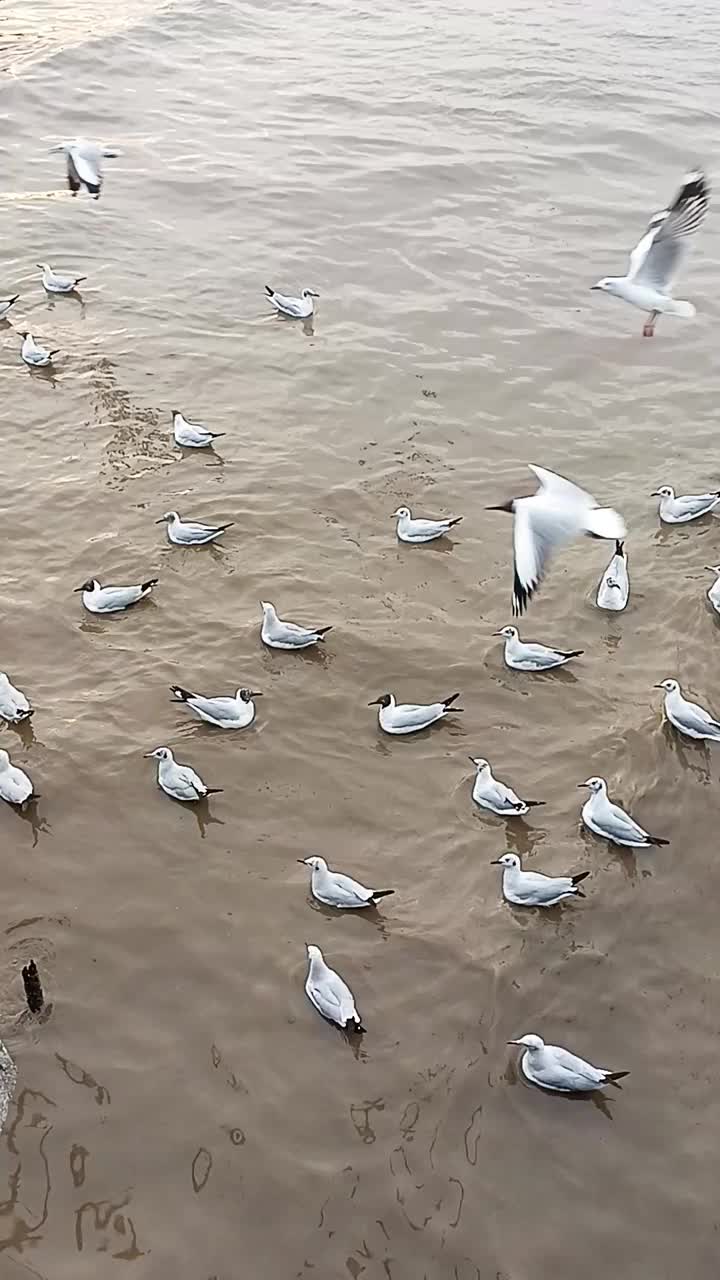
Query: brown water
[451, 177]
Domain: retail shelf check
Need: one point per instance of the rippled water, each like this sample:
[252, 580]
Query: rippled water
[451, 178]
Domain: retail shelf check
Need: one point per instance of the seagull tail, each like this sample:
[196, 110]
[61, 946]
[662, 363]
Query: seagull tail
[229, 525]
[321, 632]
[534, 804]
[356, 1025]
[213, 791]
[579, 894]
[657, 840]
[217, 434]
[269, 291]
[573, 653]
[448, 701]
[181, 694]
[381, 893]
[56, 352]
[455, 520]
[148, 586]
[11, 300]
[603, 522]
[612, 1077]
[79, 279]
[581, 875]
[620, 547]
[685, 310]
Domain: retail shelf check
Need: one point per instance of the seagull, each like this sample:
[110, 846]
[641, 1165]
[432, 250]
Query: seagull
[713, 594]
[33, 354]
[58, 284]
[522, 656]
[192, 435]
[658, 254]
[410, 530]
[190, 533]
[610, 821]
[494, 795]
[337, 890]
[6, 304]
[531, 888]
[558, 512]
[614, 586]
[330, 995]
[15, 786]
[688, 717]
[14, 706]
[286, 635]
[411, 717]
[100, 599]
[296, 308]
[84, 164]
[179, 781]
[226, 713]
[554, 1068]
[674, 510]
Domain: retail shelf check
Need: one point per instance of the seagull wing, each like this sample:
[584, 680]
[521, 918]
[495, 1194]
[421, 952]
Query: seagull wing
[348, 890]
[292, 306]
[655, 259]
[86, 161]
[559, 486]
[535, 536]
[332, 997]
[617, 821]
[220, 708]
[694, 503]
[411, 713]
[582, 1072]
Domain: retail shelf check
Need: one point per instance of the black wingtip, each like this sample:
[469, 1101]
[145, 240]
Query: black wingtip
[322, 631]
[269, 291]
[456, 520]
[151, 582]
[382, 893]
[535, 804]
[620, 546]
[657, 840]
[214, 791]
[181, 694]
[581, 875]
[358, 1028]
[449, 701]
[612, 1077]
[574, 653]
[11, 300]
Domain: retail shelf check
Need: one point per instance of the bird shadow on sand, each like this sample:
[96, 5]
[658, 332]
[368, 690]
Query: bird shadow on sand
[695, 756]
[369, 915]
[46, 373]
[63, 298]
[29, 813]
[314, 653]
[212, 457]
[25, 732]
[623, 855]
[519, 837]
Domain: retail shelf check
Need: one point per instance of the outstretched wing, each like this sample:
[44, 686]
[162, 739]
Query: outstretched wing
[655, 259]
[535, 537]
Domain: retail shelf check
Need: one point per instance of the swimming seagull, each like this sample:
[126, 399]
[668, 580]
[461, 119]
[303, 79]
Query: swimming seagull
[531, 888]
[610, 821]
[84, 164]
[58, 284]
[33, 354]
[337, 890]
[14, 706]
[287, 635]
[179, 781]
[656, 257]
[192, 435]
[713, 594]
[330, 995]
[15, 786]
[558, 512]
[674, 510]
[225, 713]
[296, 308]
[614, 586]
[6, 304]
[100, 599]
[491, 794]
[190, 533]
[411, 717]
[411, 530]
[554, 1068]
[688, 717]
[522, 656]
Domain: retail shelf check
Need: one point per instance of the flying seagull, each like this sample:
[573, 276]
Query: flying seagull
[656, 257]
[558, 512]
[84, 164]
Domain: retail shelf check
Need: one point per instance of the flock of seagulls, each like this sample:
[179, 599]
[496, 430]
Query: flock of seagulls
[557, 513]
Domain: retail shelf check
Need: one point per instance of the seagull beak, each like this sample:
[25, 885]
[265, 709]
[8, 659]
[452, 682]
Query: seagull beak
[655, 494]
[710, 567]
[658, 686]
[513, 1041]
[148, 754]
[592, 286]
[257, 694]
[160, 521]
[302, 863]
[496, 862]
[76, 589]
[497, 633]
[580, 785]
[471, 759]
[375, 702]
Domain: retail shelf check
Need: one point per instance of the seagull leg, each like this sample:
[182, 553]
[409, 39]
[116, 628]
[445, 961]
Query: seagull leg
[649, 330]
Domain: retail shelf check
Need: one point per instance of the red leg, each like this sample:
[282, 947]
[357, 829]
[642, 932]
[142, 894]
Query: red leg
[649, 330]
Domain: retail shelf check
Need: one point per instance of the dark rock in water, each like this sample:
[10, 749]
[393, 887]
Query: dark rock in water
[33, 987]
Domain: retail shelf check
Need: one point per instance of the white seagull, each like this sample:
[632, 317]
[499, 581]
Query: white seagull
[532, 888]
[100, 599]
[330, 995]
[558, 512]
[33, 354]
[58, 284]
[496, 796]
[713, 594]
[14, 706]
[6, 304]
[411, 530]
[688, 717]
[287, 635]
[656, 257]
[524, 656]
[610, 821]
[674, 510]
[225, 713]
[411, 717]
[15, 786]
[84, 164]
[190, 533]
[192, 435]
[337, 890]
[554, 1068]
[296, 308]
[179, 781]
[614, 587]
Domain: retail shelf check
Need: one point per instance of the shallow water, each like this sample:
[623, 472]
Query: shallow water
[451, 179]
